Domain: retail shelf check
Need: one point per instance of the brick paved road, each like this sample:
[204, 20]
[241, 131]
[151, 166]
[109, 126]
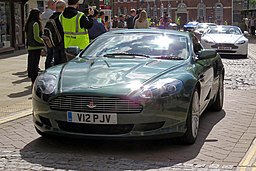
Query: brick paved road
[224, 138]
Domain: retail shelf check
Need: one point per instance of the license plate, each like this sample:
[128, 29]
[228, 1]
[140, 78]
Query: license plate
[224, 48]
[92, 118]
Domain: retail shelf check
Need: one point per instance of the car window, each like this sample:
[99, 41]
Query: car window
[202, 26]
[224, 30]
[152, 45]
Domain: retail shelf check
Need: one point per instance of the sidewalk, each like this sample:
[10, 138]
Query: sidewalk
[15, 95]
[252, 47]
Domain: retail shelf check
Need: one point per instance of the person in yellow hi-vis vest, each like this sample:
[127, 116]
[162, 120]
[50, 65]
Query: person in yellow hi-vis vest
[75, 25]
[177, 21]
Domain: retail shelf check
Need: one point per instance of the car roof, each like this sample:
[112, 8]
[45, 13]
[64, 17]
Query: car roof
[151, 31]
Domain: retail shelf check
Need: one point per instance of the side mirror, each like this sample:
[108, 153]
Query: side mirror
[207, 54]
[246, 33]
[73, 50]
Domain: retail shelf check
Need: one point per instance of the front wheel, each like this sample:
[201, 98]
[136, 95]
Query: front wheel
[192, 121]
[218, 103]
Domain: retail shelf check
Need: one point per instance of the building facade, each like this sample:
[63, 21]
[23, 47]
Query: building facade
[217, 11]
[11, 25]
[238, 7]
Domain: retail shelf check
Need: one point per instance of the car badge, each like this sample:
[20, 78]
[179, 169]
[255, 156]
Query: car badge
[91, 105]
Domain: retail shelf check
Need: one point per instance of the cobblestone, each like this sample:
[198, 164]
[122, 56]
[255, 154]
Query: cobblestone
[240, 73]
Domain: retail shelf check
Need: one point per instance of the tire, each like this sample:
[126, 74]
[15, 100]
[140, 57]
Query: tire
[192, 121]
[218, 103]
[244, 56]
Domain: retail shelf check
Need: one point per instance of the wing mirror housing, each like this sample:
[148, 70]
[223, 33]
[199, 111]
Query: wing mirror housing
[73, 50]
[207, 54]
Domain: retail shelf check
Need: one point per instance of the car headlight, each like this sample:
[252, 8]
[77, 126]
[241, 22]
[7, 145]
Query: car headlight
[240, 42]
[162, 88]
[45, 84]
[208, 41]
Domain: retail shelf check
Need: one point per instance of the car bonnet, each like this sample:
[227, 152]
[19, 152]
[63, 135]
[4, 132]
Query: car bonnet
[112, 76]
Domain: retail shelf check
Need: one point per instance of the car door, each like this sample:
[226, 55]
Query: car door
[205, 73]
[206, 80]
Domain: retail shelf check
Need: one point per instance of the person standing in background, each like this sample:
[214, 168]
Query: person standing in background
[51, 6]
[252, 25]
[75, 25]
[50, 9]
[137, 15]
[177, 21]
[102, 17]
[115, 22]
[58, 51]
[98, 28]
[121, 23]
[246, 23]
[142, 21]
[165, 21]
[33, 30]
[107, 23]
[130, 20]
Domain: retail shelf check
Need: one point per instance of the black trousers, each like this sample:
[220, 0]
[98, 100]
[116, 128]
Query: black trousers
[59, 54]
[33, 62]
[49, 58]
[253, 30]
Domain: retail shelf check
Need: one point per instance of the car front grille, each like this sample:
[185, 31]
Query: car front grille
[226, 51]
[225, 45]
[95, 104]
[95, 128]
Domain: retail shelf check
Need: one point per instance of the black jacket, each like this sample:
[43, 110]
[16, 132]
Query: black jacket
[30, 36]
[55, 16]
[130, 22]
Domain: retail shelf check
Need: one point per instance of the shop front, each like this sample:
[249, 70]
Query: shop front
[11, 25]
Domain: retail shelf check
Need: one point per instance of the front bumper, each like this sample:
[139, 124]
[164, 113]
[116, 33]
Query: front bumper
[228, 49]
[152, 121]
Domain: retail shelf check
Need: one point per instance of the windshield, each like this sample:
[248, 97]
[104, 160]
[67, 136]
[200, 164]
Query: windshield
[202, 26]
[139, 45]
[224, 30]
[192, 23]
[205, 25]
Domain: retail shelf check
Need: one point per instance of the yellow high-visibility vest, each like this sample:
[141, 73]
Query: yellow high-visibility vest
[74, 35]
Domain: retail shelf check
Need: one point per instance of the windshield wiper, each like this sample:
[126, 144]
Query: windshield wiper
[111, 55]
[169, 57]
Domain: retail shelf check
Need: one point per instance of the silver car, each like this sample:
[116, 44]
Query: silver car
[227, 40]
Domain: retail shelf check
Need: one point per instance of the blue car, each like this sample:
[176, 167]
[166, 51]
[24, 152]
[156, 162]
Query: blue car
[190, 26]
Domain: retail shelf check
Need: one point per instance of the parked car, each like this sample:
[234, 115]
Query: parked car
[190, 26]
[172, 26]
[202, 27]
[134, 83]
[227, 40]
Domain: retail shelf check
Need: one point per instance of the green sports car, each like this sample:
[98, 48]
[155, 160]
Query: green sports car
[131, 84]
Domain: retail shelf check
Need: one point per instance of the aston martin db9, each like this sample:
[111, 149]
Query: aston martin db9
[131, 84]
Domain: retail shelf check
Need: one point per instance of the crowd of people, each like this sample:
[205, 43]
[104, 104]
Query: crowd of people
[75, 28]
